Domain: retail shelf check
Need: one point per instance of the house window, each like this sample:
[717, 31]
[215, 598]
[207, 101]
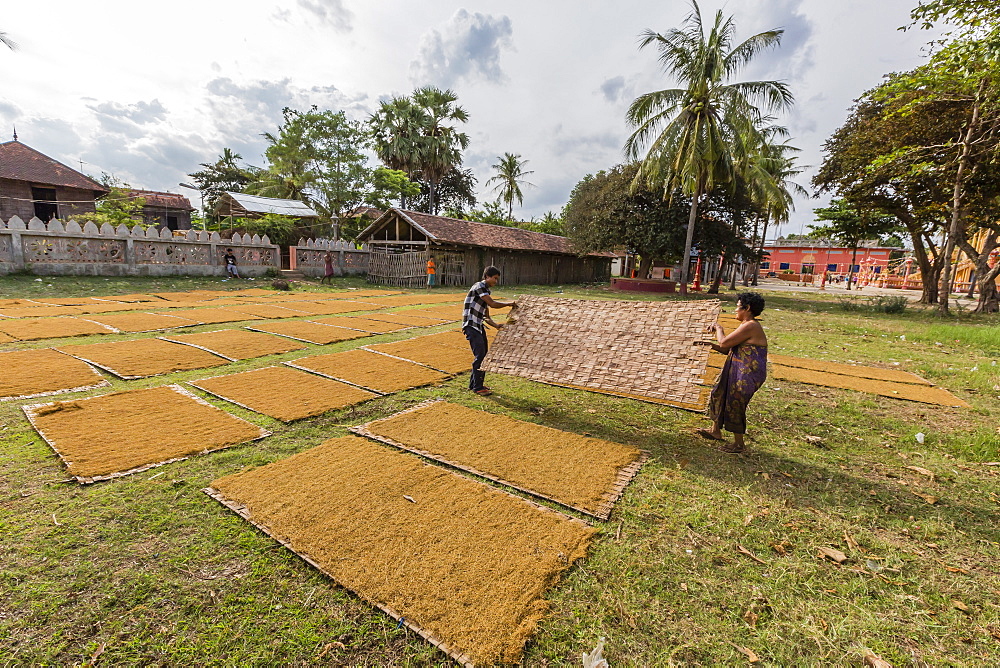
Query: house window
[808, 268]
[878, 270]
[171, 222]
[45, 203]
[784, 265]
[831, 267]
[765, 265]
[856, 268]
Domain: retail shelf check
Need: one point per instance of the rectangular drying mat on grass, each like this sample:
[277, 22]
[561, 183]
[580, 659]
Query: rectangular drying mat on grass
[379, 373]
[449, 359]
[283, 393]
[237, 344]
[404, 318]
[580, 472]
[214, 315]
[112, 435]
[909, 391]
[462, 564]
[140, 358]
[859, 370]
[141, 322]
[634, 348]
[33, 329]
[310, 332]
[361, 323]
[329, 307]
[269, 311]
[44, 371]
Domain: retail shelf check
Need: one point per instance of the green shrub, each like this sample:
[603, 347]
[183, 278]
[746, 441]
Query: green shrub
[876, 304]
[271, 272]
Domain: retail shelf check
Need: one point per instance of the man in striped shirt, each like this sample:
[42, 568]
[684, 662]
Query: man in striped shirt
[475, 314]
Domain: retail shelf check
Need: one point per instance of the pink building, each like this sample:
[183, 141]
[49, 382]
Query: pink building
[813, 256]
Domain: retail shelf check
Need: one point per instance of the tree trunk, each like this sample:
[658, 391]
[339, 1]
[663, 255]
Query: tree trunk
[760, 254]
[432, 191]
[850, 270]
[686, 262]
[717, 281]
[644, 266]
[985, 276]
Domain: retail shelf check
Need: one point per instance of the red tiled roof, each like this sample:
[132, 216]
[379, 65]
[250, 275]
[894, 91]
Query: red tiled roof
[20, 162]
[468, 233]
[155, 198]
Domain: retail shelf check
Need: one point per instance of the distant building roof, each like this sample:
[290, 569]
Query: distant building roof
[163, 200]
[439, 229]
[240, 204]
[359, 211]
[20, 162]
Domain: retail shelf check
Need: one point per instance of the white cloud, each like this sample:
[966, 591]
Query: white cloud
[467, 47]
[331, 12]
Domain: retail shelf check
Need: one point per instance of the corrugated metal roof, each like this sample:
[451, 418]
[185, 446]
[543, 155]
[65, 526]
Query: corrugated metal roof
[284, 207]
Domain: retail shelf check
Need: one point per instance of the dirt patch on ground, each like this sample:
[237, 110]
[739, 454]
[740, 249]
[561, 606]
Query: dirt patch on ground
[581, 472]
[238, 344]
[406, 319]
[33, 373]
[909, 391]
[310, 332]
[283, 393]
[463, 564]
[212, 316]
[449, 359]
[370, 370]
[144, 357]
[142, 322]
[892, 375]
[125, 432]
[33, 329]
[269, 311]
[364, 324]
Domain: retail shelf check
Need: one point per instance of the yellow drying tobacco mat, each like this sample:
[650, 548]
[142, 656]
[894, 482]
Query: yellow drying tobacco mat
[330, 307]
[214, 315]
[37, 311]
[445, 358]
[270, 311]
[33, 329]
[143, 357]
[141, 322]
[404, 318]
[362, 324]
[909, 391]
[414, 300]
[283, 393]
[237, 344]
[117, 434]
[44, 371]
[583, 473]
[310, 332]
[463, 564]
[859, 370]
[371, 371]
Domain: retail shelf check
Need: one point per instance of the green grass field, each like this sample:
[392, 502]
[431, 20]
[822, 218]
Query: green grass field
[709, 559]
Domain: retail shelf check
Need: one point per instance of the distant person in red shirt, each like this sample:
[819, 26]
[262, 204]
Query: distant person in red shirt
[431, 272]
[328, 261]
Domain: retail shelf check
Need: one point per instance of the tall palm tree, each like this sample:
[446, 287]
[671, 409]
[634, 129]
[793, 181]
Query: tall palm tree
[398, 136]
[509, 178]
[696, 134]
[442, 144]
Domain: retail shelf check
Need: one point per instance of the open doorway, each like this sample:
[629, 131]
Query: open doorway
[45, 203]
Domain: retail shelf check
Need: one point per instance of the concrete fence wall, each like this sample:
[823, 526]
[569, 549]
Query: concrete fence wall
[68, 249]
[348, 259]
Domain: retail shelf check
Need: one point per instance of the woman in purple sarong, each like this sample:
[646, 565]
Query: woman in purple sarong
[743, 373]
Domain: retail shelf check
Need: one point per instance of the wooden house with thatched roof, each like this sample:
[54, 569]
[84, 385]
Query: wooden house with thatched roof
[400, 242]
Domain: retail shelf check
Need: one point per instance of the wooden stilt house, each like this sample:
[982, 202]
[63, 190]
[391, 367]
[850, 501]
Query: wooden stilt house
[401, 241]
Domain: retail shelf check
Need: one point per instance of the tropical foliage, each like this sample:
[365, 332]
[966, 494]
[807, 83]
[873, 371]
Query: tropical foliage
[508, 178]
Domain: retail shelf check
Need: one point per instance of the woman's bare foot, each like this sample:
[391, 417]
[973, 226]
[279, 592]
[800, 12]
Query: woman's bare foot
[733, 448]
[710, 435]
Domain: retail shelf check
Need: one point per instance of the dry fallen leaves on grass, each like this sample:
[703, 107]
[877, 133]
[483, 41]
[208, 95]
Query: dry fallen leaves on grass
[875, 661]
[851, 543]
[921, 470]
[929, 498]
[751, 656]
[832, 554]
[958, 605]
[742, 550]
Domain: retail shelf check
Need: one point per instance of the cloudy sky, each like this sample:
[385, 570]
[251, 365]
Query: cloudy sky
[147, 91]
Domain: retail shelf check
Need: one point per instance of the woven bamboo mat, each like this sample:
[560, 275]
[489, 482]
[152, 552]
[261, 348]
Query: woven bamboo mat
[362, 324]
[141, 322]
[42, 372]
[213, 316]
[445, 358]
[143, 357]
[310, 332]
[33, 329]
[117, 434]
[586, 474]
[283, 393]
[462, 564]
[370, 371]
[642, 349]
[237, 344]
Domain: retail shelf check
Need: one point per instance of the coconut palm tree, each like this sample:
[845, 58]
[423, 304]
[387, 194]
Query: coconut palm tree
[398, 136]
[442, 145]
[509, 178]
[696, 135]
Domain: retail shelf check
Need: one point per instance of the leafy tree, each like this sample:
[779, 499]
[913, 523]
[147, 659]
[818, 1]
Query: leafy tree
[969, 15]
[389, 184]
[443, 143]
[455, 192]
[397, 130]
[492, 213]
[698, 133]
[118, 207]
[279, 229]
[849, 226]
[550, 223]
[317, 157]
[217, 177]
[509, 178]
